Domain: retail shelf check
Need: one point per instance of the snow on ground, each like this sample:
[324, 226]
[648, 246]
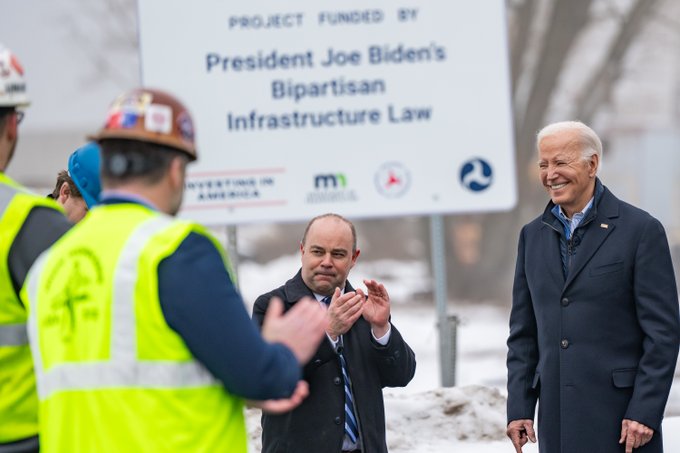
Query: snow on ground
[423, 417]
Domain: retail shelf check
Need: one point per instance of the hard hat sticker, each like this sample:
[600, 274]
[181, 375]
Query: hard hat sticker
[186, 126]
[158, 118]
[15, 64]
[121, 120]
[135, 103]
[113, 120]
[4, 68]
[128, 119]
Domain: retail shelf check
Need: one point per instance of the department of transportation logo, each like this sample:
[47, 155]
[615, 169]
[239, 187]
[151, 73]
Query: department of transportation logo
[330, 188]
[392, 180]
[476, 175]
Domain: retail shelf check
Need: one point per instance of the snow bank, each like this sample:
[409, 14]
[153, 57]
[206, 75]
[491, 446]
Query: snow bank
[427, 420]
[473, 413]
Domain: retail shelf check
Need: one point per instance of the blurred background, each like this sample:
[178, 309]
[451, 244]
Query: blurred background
[613, 64]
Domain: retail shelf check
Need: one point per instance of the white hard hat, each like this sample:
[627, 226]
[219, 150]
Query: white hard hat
[12, 83]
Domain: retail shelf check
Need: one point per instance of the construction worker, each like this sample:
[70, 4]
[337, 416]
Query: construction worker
[77, 189]
[140, 340]
[28, 225]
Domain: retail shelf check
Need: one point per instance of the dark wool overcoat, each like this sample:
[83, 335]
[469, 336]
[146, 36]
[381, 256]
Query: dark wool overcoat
[601, 344]
[317, 425]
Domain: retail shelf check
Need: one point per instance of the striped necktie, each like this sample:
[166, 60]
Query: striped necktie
[351, 426]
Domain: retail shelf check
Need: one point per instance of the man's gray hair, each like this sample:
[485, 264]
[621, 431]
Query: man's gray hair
[590, 142]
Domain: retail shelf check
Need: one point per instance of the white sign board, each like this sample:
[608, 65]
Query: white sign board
[365, 108]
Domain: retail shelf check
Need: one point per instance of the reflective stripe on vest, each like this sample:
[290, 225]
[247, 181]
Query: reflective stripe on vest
[6, 195]
[13, 335]
[10, 334]
[18, 396]
[123, 369]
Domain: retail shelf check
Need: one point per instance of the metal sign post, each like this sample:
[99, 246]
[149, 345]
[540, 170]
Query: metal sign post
[447, 323]
[232, 251]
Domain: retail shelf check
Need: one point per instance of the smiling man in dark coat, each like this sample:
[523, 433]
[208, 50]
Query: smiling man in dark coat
[364, 351]
[594, 327]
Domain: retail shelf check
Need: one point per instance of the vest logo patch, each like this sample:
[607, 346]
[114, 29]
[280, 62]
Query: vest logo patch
[72, 283]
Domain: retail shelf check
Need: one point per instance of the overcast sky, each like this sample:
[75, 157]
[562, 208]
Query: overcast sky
[58, 42]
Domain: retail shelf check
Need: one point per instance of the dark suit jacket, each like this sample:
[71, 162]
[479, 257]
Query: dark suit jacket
[601, 345]
[317, 425]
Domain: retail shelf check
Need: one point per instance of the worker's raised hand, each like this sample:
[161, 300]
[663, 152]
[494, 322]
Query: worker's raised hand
[343, 312]
[300, 329]
[283, 405]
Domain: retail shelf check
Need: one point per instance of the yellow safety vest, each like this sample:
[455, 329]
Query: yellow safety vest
[18, 399]
[112, 375]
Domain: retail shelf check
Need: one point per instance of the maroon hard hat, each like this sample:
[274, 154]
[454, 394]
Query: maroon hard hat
[150, 115]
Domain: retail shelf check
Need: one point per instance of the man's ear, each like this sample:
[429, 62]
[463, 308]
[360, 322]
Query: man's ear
[64, 192]
[355, 255]
[594, 164]
[11, 127]
[177, 172]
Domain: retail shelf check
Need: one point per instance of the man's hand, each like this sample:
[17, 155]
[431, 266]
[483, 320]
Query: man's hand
[285, 404]
[634, 434]
[300, 329]
[343, 312]
[521, 431]
[377, 307]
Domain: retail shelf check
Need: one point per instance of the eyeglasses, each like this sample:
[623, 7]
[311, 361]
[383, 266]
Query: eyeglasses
[20, 116]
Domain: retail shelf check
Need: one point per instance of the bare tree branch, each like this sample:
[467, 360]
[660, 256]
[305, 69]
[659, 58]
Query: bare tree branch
[109, 53]
[567, 21]
[599, 87]
[521, 29]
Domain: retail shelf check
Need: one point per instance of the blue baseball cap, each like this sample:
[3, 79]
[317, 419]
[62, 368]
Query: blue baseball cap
[83, 167]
